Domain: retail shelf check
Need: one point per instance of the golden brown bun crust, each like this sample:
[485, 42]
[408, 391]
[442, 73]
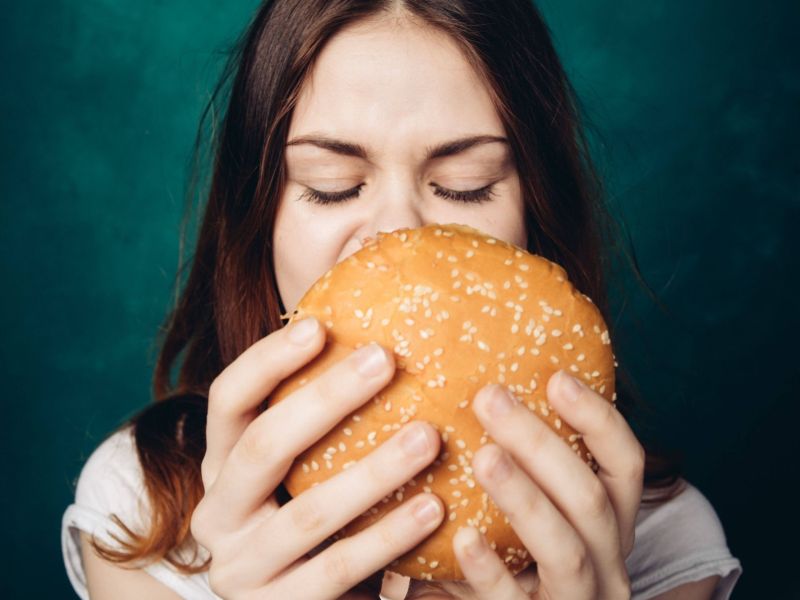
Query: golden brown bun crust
[460, 310]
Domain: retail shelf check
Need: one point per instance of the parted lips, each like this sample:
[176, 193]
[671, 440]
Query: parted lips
[459, 309]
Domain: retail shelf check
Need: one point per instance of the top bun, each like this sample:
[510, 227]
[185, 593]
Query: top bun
[460, 310]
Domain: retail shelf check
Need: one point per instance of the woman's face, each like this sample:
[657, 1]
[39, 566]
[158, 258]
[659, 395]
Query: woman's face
[394, 92]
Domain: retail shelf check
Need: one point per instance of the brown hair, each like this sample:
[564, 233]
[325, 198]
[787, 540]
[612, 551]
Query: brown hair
[230, 299]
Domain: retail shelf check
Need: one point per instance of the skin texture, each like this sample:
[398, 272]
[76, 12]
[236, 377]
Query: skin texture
[397, 89]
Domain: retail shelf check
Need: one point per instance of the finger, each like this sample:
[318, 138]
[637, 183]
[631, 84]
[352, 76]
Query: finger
[611, 441]
[569, 483]
[565, 566]
[260, 459]
[348, 561]
[236, 393]
[483, 569]
[324, 509]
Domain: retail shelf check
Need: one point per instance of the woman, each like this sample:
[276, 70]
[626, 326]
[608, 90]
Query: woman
[346, 118]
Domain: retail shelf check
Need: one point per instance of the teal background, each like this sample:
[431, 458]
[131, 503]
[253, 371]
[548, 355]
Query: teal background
[697, 103]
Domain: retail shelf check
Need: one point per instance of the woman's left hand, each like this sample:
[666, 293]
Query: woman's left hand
[577, 525]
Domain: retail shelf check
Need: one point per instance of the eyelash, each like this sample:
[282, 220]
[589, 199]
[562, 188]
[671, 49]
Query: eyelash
[467, 197]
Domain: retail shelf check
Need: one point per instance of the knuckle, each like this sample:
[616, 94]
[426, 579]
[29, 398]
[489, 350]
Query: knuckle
[594, 502]
[198, 524]
[216, 390]
[529, 506]
[255, 446]
[220, 397]
[306, 515]
[627, 544]
[539, 437]
[620, 585]
[387, 536]
[636, 473]
[206, 473]
[494, 579]
[376, 470]
[327, 387]
[220, 579]
[337, 568]
[609, 417]
[576, 563]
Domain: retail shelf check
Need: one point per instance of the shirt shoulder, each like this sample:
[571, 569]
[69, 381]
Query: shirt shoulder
[111, 482]
[678, 541]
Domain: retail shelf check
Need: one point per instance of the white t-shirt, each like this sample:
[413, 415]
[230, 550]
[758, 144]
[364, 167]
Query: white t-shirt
[679, 541]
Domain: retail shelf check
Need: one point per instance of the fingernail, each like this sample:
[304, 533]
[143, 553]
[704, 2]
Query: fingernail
[414, 441]
[304, 331]
[472, 543]
[427, 511]
[570, 386]
[500, 403]
[370, 359]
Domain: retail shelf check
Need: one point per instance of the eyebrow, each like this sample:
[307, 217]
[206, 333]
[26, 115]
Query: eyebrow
[351, 149]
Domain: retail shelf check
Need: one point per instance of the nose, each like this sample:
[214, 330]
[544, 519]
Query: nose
[399, 206]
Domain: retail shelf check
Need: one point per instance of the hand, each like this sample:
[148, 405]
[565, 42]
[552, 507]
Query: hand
[259, 548]
[577, 525]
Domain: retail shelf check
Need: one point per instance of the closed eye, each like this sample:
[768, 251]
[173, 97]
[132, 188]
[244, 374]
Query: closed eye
[467, 196]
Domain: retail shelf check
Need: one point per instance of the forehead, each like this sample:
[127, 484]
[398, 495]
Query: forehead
[388, 81]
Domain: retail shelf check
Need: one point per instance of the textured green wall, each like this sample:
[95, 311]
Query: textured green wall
[697, 103]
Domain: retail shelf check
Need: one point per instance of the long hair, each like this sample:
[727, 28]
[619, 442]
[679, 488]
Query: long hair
[230, 298]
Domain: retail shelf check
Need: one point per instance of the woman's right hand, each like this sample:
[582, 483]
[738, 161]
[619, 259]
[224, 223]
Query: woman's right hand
[259, 548]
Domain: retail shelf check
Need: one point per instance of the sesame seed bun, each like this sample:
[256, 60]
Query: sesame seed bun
[460, 309]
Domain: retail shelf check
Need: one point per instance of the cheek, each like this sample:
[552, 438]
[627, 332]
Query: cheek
[307, 241]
